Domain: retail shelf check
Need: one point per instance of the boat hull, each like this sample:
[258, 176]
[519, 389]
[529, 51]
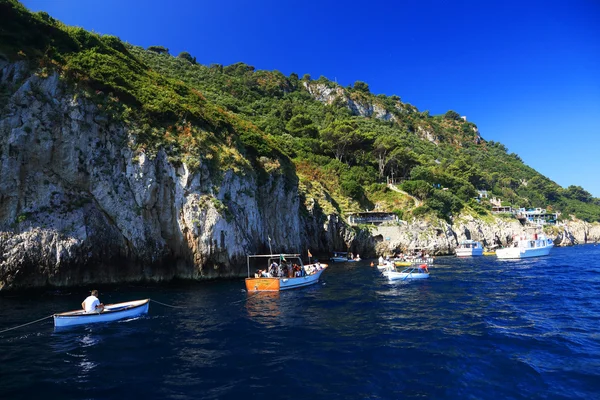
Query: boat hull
[112, 312]
[396, 276]
[278, 284]
[469, 252]
[402, 263]
[519, 252]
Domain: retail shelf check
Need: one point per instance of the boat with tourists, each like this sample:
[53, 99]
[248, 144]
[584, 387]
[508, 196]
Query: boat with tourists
[111, 312]
[525, 246]
[469, 248]
[419, 271]
[283, 271]
[416, 258]
[344, 256]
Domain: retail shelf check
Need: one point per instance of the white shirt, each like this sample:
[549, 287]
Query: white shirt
[90, 303]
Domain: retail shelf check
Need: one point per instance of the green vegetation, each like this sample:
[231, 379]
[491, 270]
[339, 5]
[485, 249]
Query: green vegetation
[263, 122]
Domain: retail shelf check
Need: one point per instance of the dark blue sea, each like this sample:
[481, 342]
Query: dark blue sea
[477, 329]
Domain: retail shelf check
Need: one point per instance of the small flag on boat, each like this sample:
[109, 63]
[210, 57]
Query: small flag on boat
[309, 255]
[281, 258]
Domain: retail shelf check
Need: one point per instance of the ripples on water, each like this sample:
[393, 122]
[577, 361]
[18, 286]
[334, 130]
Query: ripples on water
[478, 328]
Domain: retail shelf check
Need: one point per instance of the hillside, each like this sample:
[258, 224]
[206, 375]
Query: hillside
[344, 138]
[359, 139]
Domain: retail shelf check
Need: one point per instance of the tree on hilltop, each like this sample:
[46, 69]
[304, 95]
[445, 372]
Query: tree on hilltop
[452, 115]
[187, 56]
[361, 87]
[158, 49]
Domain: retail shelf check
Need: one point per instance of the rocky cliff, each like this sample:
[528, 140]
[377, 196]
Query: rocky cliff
[78, 204]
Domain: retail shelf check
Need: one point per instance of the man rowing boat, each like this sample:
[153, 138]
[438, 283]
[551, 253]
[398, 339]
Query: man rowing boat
[92, 304]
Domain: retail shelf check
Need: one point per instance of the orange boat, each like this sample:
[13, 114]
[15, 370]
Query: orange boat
[284, 271]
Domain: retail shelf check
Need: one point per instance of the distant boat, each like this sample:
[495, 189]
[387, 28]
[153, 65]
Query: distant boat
[526, 246]
[308, 274]
[111, 312]
[469, 248]
[343, 256]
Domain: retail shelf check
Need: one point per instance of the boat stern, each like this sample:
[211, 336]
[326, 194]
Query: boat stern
[262, 284]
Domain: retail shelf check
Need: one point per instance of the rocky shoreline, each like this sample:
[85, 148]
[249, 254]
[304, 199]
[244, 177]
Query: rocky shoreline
[442, 238]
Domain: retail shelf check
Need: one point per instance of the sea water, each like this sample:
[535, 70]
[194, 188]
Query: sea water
[478, 328]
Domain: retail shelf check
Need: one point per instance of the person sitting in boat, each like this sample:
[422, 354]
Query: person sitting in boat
[274, 269]
[318, 265]
[297, 272]
[266, 274]
[380, 260]
[92, 304]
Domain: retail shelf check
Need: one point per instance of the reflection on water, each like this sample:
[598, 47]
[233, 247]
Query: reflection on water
[263, 307]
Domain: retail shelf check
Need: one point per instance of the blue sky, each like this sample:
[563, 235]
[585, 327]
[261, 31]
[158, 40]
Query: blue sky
[526, 72]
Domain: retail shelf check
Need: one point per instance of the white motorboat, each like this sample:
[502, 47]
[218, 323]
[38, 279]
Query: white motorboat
[526, 246]
[469, 248]
[111, 312]
[290, 273]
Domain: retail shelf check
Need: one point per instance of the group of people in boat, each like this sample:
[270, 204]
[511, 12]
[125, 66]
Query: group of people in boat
[288, 270]
[420, 254]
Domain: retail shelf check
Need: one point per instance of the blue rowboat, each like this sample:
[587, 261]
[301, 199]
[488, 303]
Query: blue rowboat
[111, 312]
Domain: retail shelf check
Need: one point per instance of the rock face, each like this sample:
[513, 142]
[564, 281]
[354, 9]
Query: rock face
[328, 95]
[77, 204]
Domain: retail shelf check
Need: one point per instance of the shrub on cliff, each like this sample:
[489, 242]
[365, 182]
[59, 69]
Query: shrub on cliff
[184, 55]
[158, 49]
